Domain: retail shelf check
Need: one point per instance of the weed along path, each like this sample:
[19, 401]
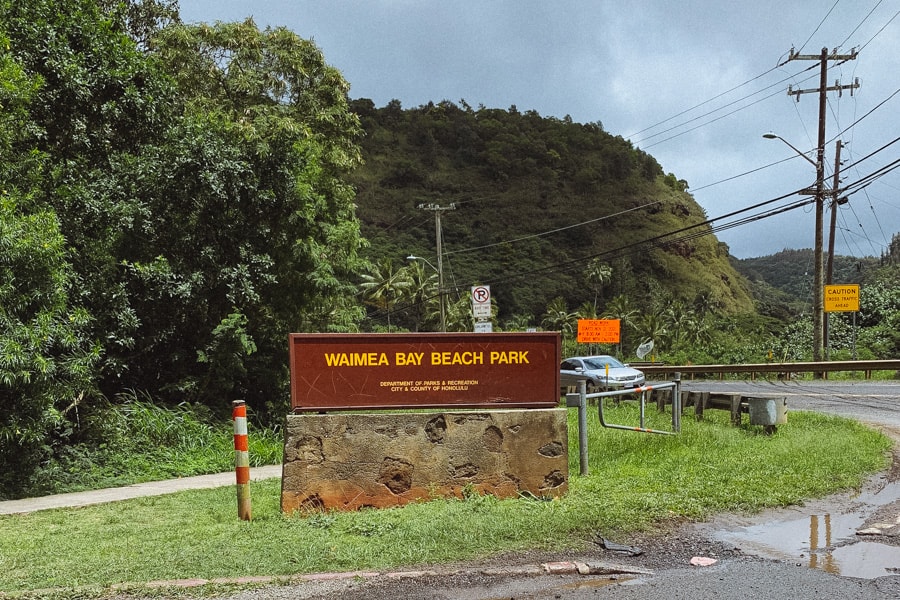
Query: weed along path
[856, 534]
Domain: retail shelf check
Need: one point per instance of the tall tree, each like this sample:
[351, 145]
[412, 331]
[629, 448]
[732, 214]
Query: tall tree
[598, 274]
[47, 362]
[384, 285]
[253, 221]
[558, 318]
[422, 292]
[98, 102]
[652, 327]
[198, 182]
[621, 308]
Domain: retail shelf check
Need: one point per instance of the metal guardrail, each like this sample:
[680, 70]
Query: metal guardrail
[676, 406]
[579, 400]
[825, 367]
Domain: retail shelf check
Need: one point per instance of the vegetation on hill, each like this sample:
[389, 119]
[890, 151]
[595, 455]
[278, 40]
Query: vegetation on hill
[782, 286]
[791, 272]
[539, 204]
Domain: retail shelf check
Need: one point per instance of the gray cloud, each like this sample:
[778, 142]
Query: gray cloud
[632, 66]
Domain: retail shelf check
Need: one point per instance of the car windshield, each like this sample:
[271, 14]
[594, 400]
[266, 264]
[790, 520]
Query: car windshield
[600, 362]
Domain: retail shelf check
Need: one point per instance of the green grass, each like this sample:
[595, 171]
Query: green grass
[635, 481]
[143, 442]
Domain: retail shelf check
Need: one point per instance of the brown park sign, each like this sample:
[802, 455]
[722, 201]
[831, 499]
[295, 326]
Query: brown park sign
[424, 370]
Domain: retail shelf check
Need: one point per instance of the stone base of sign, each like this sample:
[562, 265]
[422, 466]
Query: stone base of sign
[349, 461]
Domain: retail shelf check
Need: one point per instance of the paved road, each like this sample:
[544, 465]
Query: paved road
[875, 402]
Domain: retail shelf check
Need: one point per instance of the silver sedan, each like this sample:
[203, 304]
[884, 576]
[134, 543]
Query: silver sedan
[602, 372]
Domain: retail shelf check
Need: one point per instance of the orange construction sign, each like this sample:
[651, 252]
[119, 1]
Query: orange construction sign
[598, 331]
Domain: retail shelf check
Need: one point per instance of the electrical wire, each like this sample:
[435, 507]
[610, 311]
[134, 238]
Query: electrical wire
[819, 26]
[687, 233]
[866, 18]
[859, 185]
[532, 236]
[552, 231]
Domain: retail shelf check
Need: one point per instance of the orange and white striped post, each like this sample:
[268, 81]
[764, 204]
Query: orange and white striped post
[241, 458]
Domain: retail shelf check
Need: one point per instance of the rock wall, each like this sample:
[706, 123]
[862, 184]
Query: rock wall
[349, 461]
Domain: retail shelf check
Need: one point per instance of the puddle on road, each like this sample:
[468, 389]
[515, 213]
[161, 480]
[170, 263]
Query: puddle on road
[823, 540]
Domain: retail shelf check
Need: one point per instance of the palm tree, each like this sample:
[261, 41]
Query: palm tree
[460, 317]
[679, 321]
[587, 311]
[518, 323]
[620, 308]
[422, 291]
[652, 327]
[558, 318]
[598, 274]
[383, 286]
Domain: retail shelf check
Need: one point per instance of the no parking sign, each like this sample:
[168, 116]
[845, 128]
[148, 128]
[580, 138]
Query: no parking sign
[481, 301]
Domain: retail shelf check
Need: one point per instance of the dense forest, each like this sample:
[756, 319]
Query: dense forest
[174, 202]
[566, 221]
[175, 199]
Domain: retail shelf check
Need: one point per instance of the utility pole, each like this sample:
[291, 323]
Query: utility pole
[835, 202]
[823, 89]
[437, 210]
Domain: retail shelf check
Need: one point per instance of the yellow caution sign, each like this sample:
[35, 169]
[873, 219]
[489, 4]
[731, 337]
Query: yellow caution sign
[842, 298]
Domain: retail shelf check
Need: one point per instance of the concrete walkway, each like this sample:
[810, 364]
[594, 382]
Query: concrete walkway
[153, 488]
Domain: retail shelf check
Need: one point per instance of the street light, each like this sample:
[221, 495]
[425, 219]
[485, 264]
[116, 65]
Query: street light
[818, 308]
[772, 136]
[440, 272]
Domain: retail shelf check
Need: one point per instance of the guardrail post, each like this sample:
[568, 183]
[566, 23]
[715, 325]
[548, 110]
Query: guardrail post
[676, 404]
[582, 427]
[241, 459]
[579, 400]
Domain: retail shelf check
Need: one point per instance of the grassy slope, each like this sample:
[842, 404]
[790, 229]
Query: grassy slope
[636, 480]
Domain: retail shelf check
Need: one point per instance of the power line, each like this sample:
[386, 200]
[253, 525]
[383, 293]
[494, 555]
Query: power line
[652, 242]
[687, 233]
[705, 102]
[661, 240]
[558, 230]
[819, 26]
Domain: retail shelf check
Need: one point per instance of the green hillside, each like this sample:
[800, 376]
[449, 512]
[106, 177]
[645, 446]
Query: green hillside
[782, 283]
[535, 200]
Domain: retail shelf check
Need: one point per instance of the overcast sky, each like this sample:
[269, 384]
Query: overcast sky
[695, 83]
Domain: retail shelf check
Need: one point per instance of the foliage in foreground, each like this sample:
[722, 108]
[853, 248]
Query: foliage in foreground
[635, 481]
[145, 442]
[172, 203]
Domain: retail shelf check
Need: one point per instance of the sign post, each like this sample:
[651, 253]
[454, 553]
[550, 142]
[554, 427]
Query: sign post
[843, 298]
[392, 371]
